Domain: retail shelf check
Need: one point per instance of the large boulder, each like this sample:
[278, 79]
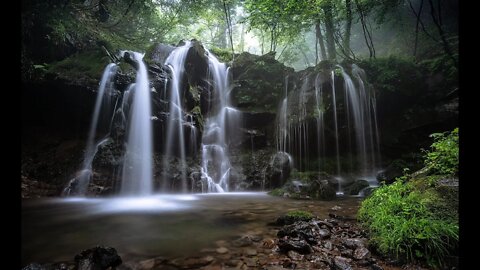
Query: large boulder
[278, 171]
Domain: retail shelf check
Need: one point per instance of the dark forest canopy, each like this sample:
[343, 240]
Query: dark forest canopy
[302, 33]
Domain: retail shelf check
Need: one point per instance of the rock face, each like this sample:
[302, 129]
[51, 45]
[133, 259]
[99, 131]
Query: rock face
[58, 102]
[259, 82]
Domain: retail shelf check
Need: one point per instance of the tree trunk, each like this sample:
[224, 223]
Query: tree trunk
[438, 23]
[229, 26]
[330, 29]
[348, 26]
[366, 33]
[319, 35]
[417, 24]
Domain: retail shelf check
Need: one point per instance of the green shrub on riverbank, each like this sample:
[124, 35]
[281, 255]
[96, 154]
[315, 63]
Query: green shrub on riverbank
[412, 218]
[443, 157]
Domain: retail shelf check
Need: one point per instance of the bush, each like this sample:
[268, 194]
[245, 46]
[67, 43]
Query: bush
[443, 156]
[401, 222]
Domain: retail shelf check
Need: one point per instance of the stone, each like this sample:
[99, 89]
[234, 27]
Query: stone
[250, 252]
[222, 250]
[97, 258]
[221, 243]
[146, 264]
[375, 267]
[34, 266]
[328, 245]
[233, 263]
[250, 262]
[278, 170]
[300, 246]
[353, 243]
[215, 266]
[192, 262]
[295, 255]
[347, 253]
[341, 263]
[268, 243]
[356, 187]
[324, 234]
[242, 241]
[361, 253]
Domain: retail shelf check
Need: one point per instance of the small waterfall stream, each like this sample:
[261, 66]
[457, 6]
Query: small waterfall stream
[79, 184]
[175, 143]
[137, 167]
[353, 143]
[222, 120]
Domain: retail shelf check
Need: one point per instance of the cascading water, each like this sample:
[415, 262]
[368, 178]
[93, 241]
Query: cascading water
[351, 123]
[370, 110]
[102, 101]
[137, 166]
[219, 129]
[175, 143]
[366, 132]
[335, 119]
[320, 109]
[282, 122]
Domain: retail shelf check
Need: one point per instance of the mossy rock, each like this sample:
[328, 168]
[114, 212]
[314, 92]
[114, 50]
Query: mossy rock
[294, 216]
[87, 65]
[356, 187]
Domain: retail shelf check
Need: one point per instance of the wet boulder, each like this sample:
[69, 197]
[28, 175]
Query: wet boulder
[298, 245]
[98, 258]
[278, 170]
[355, 187]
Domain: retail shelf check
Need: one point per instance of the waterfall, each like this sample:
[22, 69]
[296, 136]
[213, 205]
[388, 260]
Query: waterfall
[175, 141]
[370, 111]
[221, 128]
[282, 122]
[137, 166]
[335, 119]
[82, 179]
[320, 120]
[354, 146]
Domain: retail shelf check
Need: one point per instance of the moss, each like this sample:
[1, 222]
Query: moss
[300, 215]
[223, 55]
[89, 64]
[259, 82]
[395, 74]
[197, 112]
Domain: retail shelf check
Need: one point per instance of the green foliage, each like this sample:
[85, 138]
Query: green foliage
[224, 55]
[442, 65]
[401, 223]
[88, 64]
[443, 156]
[277, 192]
[304, 176]
[395, 73]
[299, 215]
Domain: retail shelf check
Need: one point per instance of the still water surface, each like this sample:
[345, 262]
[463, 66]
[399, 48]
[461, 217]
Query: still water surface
[161, 225]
